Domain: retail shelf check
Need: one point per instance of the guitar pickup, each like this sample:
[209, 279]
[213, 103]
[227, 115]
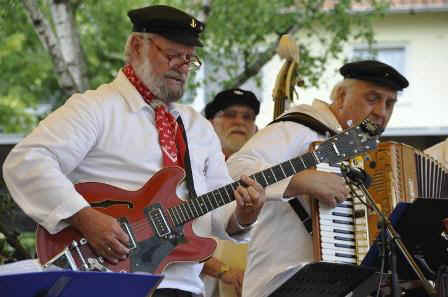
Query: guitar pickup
[127, 229]
[158, 220]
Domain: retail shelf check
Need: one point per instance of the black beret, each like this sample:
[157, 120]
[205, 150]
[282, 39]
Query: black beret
[376, 72]
[170, 22]
[231, 97]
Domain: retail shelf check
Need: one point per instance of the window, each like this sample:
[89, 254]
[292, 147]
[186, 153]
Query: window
[392, 55]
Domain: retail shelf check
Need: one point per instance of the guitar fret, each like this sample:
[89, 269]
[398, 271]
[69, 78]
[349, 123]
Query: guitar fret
[202, 205]
[229, 190]
[188, 214]
[184, 211]
[173, 217]
[220, 200]
[296, 165]
[288, 168]
[184, 218]
[269, 176]
[195, 206]
[212, 199]
[207, 202]
[308, 160]
[225, 196]
[190, 209]
[260, 179]
[315, 157]
[303, 162]
[178, 214]
[278, 172]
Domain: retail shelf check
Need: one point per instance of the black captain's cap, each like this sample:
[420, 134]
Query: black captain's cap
[170, 22]
[231, 97]
[376, 72]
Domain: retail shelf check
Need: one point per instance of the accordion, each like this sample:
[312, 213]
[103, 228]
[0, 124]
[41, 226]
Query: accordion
[400, 173]
[340, 234]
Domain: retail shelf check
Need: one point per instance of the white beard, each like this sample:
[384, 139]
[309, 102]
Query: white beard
[155, 84]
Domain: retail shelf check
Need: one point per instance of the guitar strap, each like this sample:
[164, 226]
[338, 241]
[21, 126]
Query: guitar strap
[187, 162]
[319, 127]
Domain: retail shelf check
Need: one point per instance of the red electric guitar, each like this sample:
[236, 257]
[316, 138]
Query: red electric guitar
[159, 224]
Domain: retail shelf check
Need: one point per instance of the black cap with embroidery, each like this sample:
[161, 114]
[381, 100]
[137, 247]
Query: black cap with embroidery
[170, 22]
[231, 97]
[376, 72]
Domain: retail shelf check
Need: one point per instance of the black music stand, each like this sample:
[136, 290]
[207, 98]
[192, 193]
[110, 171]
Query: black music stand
[422, 230]
[322, 279]
[420, 227]
[67, 283]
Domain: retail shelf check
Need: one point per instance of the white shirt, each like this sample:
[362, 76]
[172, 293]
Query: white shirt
[279, 241]
[108, 135]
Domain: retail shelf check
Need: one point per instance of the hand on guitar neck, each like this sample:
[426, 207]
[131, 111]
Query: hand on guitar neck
[102, 232]
[249, 201]
[328, 188]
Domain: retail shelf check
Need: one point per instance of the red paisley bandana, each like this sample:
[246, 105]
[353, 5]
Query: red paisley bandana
[170, 134]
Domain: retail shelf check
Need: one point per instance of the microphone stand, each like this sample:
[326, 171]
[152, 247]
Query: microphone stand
[395, 240]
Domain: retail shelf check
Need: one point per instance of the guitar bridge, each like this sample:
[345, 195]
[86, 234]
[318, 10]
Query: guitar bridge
[158, 220]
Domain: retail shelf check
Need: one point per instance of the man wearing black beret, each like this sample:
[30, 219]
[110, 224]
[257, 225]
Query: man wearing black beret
[123, 134]
[368, 90]
[232, 113]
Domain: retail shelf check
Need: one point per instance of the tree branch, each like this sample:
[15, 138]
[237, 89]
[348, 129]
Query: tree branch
[262, 59]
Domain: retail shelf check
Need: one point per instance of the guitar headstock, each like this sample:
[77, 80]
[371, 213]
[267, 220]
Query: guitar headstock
[349, 143]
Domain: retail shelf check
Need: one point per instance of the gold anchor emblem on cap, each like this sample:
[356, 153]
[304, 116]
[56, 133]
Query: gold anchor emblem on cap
[193, 23]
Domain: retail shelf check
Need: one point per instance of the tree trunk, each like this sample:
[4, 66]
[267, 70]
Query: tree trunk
[65, 77]
[63, 14]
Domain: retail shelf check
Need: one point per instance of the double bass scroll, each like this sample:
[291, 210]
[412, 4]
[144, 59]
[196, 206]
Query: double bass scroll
[287, 78]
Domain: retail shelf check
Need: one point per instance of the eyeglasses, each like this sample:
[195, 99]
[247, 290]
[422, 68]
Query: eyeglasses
[179, 59]
[232, 114]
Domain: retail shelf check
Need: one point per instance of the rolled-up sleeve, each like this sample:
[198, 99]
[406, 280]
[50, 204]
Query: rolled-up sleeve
[35, 170]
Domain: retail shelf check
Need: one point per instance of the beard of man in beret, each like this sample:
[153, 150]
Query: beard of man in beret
[235, 131]
[153, 67]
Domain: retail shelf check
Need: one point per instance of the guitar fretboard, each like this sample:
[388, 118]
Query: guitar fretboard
[196, 207]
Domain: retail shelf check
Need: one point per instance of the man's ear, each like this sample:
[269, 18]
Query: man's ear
[341, 93]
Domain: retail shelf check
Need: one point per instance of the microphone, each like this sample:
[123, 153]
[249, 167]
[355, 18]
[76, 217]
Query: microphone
[358, 175]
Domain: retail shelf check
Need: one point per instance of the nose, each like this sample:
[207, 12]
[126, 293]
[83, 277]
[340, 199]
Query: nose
[380, 109]
[184, 68]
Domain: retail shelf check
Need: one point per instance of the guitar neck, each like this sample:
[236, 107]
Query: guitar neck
[199, 206]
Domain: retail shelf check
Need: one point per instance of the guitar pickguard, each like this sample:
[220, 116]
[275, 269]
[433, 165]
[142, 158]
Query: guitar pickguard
[150, 252]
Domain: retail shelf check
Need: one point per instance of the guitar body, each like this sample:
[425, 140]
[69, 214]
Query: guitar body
[149, 252]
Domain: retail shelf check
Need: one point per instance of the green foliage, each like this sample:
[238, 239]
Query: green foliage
[26, 239]
[27, 76]
[237, 33]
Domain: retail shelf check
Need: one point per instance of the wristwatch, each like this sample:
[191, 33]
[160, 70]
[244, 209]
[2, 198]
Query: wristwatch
[244, 227]
[222, 269]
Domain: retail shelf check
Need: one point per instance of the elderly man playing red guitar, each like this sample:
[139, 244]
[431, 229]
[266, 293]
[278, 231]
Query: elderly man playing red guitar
[105, 170]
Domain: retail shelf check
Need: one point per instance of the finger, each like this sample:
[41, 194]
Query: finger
[122, 236]
[108, 254]
[238, 198]
[251, 183]
[254, 196]
[120, 249]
